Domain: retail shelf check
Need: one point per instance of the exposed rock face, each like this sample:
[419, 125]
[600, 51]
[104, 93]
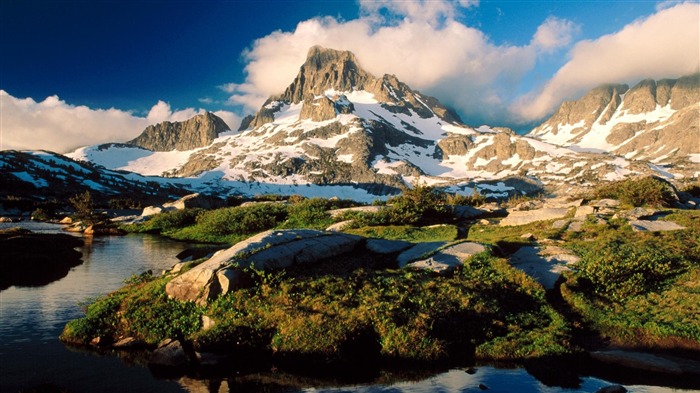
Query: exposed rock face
[448, 259]
[198, 131]
[522, 217]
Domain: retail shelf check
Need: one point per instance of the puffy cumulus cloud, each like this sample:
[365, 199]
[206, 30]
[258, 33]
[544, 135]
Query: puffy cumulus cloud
[455, 62]
[663, 45]
[53, 124]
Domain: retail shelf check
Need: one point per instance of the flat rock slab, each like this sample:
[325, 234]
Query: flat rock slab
[654, 226]
[543, 264]
[418, 251]
[466, 212]
[384, 247]
[522, 217]
[449, 258]
[648, 362]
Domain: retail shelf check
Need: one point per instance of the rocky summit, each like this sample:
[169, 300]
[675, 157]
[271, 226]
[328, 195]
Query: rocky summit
[337, 130]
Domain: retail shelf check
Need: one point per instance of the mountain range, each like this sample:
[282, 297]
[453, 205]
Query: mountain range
[339, 131]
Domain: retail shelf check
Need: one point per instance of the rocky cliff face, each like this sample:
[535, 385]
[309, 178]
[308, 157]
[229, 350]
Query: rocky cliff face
[199, 131]
[655, 121]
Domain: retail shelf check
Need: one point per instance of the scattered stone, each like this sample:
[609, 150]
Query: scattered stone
[483, 387]
[384, 247]
[530, 216]
[655, 226]
[544, 265]
[66, 220]
[484, 222]
[449, 258]
[529, 205]
[178, 267]
[6, 219]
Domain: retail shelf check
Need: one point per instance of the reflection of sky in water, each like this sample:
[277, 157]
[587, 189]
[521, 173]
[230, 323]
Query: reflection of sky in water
[32, 318]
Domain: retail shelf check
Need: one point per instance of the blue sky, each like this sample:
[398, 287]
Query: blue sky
[109, 68]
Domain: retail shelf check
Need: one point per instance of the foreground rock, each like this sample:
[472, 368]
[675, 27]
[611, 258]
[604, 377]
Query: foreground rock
[655, 226]
[543, 264]
[272, 249]
[32, 259]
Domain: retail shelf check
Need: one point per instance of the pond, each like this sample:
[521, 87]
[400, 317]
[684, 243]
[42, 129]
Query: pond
[31, 319]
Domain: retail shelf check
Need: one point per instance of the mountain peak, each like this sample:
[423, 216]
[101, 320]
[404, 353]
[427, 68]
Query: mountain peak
[325, 69]
[192, 133]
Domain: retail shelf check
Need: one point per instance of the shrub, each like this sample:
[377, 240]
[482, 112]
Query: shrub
[84, 208]
[649, 191]
[309, 213]
[241, 220]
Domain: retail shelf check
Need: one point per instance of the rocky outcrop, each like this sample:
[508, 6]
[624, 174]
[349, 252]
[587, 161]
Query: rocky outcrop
[188, 201]
[544, 264]
[198, 131]
[272, 249]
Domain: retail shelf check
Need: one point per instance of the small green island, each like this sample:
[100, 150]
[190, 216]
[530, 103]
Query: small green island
[326, 286]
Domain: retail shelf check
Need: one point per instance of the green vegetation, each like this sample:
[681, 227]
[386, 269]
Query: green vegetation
[140, 309]
[84, 208]
[639, 288]
[647, 191]
[487, 308]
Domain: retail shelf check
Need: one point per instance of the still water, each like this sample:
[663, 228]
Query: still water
[32, 318]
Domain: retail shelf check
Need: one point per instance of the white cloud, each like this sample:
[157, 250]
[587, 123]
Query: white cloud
[554, 33]
[664, 45]
[445, 58]
[55, 125]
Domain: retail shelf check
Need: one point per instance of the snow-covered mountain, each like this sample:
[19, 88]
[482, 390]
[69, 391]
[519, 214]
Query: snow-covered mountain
[338, 130]
[657, 121]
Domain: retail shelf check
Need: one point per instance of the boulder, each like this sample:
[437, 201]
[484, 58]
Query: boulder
[606, 203]
[636, 213]
[520, 217]
[465, 212]
[272, 249]
[612, 389]
[449, 258]
[66, 220]
[195, 201]
[170, 353]
[152, 211]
